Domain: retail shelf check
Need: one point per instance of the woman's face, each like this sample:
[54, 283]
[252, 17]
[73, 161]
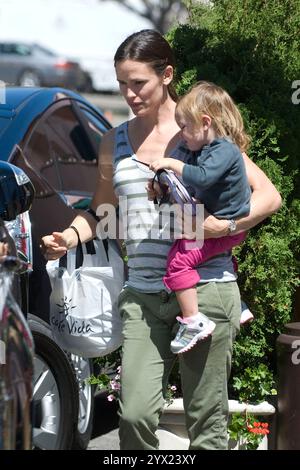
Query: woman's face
[141, 87]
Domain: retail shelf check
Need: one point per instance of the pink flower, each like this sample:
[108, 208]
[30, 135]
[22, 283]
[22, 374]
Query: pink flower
[110, 398]
[115, 385]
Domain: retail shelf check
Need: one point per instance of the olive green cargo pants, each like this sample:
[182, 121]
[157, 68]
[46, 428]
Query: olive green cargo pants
[149, 326]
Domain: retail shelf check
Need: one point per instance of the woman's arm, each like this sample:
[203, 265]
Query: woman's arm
[265, 200]
[56, 244]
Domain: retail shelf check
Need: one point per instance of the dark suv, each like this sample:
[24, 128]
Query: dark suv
[54, 136]
[16, 343]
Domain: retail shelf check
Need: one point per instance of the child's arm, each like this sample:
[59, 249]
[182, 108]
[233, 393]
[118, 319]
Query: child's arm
[167, 164]
[265, 201]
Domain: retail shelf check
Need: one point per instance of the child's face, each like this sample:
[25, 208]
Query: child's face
[194, 135]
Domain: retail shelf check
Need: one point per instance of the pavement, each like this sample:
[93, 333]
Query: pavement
[105, 431]
[112, 105]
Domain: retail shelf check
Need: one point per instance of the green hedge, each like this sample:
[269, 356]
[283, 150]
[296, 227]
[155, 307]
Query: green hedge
[252, 50]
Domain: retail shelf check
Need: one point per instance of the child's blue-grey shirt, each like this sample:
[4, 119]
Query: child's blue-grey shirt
[219, 180]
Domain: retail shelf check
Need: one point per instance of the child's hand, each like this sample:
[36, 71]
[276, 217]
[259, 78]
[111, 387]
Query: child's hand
[161, 163]
[168, 164]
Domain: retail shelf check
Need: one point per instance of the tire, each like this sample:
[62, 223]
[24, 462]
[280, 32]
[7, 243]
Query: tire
[29, 78]
[55, 398]
[83, 369]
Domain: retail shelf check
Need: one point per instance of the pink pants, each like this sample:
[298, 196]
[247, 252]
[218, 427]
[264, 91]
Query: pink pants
[182, 261]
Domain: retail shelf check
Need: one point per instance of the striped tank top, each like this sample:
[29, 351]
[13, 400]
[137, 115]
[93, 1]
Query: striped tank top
[147, 231]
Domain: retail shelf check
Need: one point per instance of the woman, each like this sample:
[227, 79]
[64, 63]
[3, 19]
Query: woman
[144, 67]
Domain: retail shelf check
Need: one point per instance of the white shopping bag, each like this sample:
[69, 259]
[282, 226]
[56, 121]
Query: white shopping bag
[83, 305]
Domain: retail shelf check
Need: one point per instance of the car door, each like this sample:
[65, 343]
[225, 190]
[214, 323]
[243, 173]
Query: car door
[60, 154]
[85, 131]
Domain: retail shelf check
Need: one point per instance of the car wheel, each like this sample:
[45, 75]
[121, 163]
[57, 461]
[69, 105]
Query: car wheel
[55, 394]
[83, 369]
[29, 78]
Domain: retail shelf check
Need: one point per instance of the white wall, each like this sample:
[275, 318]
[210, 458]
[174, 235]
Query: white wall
[88, 30]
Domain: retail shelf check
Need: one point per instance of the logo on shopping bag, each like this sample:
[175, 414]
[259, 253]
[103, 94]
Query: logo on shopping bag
[66, 306]
[74, 326]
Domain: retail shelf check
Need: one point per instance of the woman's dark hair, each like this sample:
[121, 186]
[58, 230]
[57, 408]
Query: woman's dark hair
[151, 47]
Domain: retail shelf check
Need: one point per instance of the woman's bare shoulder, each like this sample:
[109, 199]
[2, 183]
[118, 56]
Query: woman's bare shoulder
[108, 139]
[106, 149]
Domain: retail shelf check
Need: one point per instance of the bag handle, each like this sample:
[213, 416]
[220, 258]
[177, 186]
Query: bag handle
[91, 250]
[90, 247]
[79, 253]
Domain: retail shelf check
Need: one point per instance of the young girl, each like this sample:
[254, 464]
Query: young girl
[212, 128]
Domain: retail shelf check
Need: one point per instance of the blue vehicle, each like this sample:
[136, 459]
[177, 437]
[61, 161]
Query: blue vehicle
[16, 343]
[53, 135]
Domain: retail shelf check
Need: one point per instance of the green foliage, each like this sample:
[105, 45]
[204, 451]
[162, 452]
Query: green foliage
[109, 377]
[252, 50]
[246, 431]
[254, 384]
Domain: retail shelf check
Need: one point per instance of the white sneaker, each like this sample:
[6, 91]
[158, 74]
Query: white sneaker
[189, 333]
[246, 315]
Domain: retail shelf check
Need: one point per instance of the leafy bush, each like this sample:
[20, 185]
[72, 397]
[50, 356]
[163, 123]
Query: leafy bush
[251, 49]
[246, 431]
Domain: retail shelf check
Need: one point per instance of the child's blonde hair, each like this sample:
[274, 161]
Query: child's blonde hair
[208, 98]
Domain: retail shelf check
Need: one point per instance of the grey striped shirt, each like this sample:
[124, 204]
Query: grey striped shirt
[148, 231]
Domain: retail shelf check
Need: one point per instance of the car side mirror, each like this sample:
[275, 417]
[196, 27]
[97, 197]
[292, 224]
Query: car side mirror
[16, 191]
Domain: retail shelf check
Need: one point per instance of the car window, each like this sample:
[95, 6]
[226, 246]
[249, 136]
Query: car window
[72, 139]
[18, 49]
[63, 149]
[96, 126]
[31, 163]
[43, 50]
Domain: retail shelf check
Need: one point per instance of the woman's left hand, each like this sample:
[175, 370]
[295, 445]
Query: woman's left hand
[213, 227]
[210, 226]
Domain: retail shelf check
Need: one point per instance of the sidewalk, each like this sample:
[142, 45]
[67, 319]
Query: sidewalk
[105, 433]
[108, 441]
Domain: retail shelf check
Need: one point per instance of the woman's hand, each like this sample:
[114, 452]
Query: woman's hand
[213, 227]
[54, 246]
[3, 249]
[209, 227]
[153, 190]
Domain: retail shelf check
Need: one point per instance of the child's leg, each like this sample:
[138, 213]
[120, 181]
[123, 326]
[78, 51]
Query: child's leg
[188, 301]
[194, 326]
[182, 262]
[246, 314]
